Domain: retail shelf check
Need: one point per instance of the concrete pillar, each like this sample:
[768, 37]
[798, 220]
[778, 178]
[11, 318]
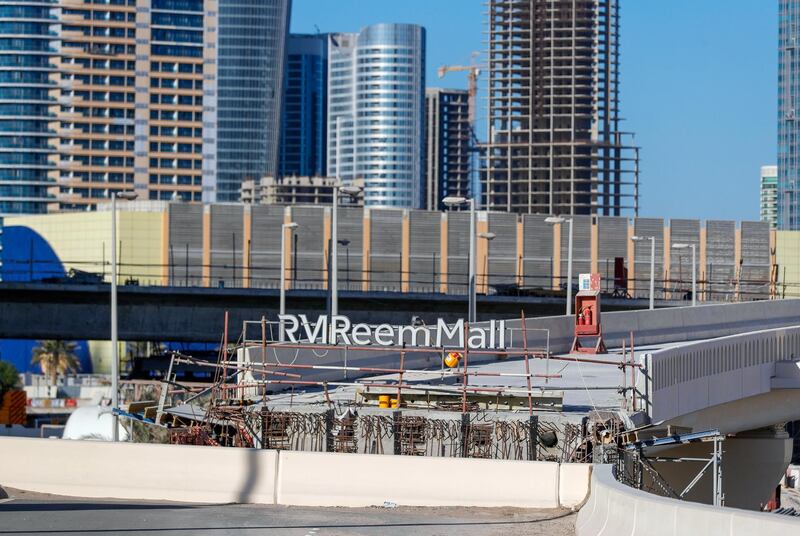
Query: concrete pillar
[443, 254]
[247, 231]
[632, 260]
[737, 259]
[702, 288]
[365, 263]
[405, 251]
[327, 230]
[166, 258]
[520, 251]
[287, 218]
[206, 272]
[594, 246]
[667, 257]
[482, 253]
[556, 256]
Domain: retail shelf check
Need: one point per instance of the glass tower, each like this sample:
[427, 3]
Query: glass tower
[251, 50]
[28, 45]
[303, 133]
[376, 106]
[788, 114]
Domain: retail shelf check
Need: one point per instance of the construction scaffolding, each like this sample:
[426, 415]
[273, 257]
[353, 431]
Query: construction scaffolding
[554, 141]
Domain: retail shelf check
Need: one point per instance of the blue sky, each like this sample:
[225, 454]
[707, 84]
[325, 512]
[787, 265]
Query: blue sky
[698, 87]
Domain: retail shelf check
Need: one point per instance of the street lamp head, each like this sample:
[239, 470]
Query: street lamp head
[455, 201]
[126, 195]
[680, 246]
[352, 191]
[292, 225]
[641, 238]
[344, 242]
[552, 220]
[487, 236]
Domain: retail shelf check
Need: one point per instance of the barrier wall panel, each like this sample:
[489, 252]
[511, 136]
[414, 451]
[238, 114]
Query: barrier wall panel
[537, 251]
[581, 248]
[501, 263]
[385, 249]
[756, 263]
[265, 245]
[227, 229]
[457, 252]
[612, 242]
[186, 243]
[424, 255]
[680, 268]
[647, 227]
[350, 227]
[720, 268]
[308, 247]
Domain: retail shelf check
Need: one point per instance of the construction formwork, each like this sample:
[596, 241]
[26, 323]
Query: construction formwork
[554, 142]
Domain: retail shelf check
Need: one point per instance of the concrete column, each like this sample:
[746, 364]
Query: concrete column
[327, 223]
[556, 256]
[737, 259]
[247, 231]
[166, 259]
[667, 255]
[631, 260]
[405, 251]
[702, 265]
[287, 218]
[482, 253]
[365, 263]
[443, 254]
[595, 246]
[206, 245]
[520, 251]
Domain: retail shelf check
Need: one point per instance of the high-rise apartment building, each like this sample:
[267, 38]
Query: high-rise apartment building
[28, 45]
[303, 130]
[136, 99]
[376, 100]
[788, 115]
[250, 51]
[100, 96]
[448, 156]
[554, 142]
[769, 195]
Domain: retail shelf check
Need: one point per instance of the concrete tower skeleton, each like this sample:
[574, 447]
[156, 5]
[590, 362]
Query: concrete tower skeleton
[555, 144]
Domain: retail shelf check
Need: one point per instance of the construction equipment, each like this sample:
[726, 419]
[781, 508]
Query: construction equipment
[473, 72]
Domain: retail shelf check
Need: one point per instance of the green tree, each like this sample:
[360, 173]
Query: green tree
[56, 358]
[9, 378]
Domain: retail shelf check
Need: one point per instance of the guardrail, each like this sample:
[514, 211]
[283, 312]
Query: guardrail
[614, 508]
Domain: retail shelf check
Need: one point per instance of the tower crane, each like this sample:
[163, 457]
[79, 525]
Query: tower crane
[473, 72]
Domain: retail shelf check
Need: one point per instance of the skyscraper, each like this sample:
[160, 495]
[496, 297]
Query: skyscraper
[28, 45]
[788, 115]
[250, 51]
[376, 102]
[447, 142]
[769, 195]
[303, 130]
[554, 143]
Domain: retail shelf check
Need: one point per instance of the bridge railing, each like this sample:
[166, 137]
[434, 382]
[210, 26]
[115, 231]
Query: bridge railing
[694, 376]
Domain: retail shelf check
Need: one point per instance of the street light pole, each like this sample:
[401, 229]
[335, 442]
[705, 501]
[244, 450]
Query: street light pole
[285, 227]
[114, 335]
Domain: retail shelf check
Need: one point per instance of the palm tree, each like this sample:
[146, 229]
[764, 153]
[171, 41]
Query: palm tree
[56, 358]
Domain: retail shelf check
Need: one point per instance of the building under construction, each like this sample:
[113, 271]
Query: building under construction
[555, 145]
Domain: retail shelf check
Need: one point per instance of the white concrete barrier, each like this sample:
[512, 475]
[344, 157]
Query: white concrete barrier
[138, 471]
[327, 479]
[614, 509]
[215, 474]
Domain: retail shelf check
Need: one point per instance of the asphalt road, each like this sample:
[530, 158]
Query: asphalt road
[29, 513]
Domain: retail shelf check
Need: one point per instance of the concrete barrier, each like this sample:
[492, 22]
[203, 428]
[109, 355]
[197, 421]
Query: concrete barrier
[138, 471]
[367, 480]
[215, 475]
[614, 509]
